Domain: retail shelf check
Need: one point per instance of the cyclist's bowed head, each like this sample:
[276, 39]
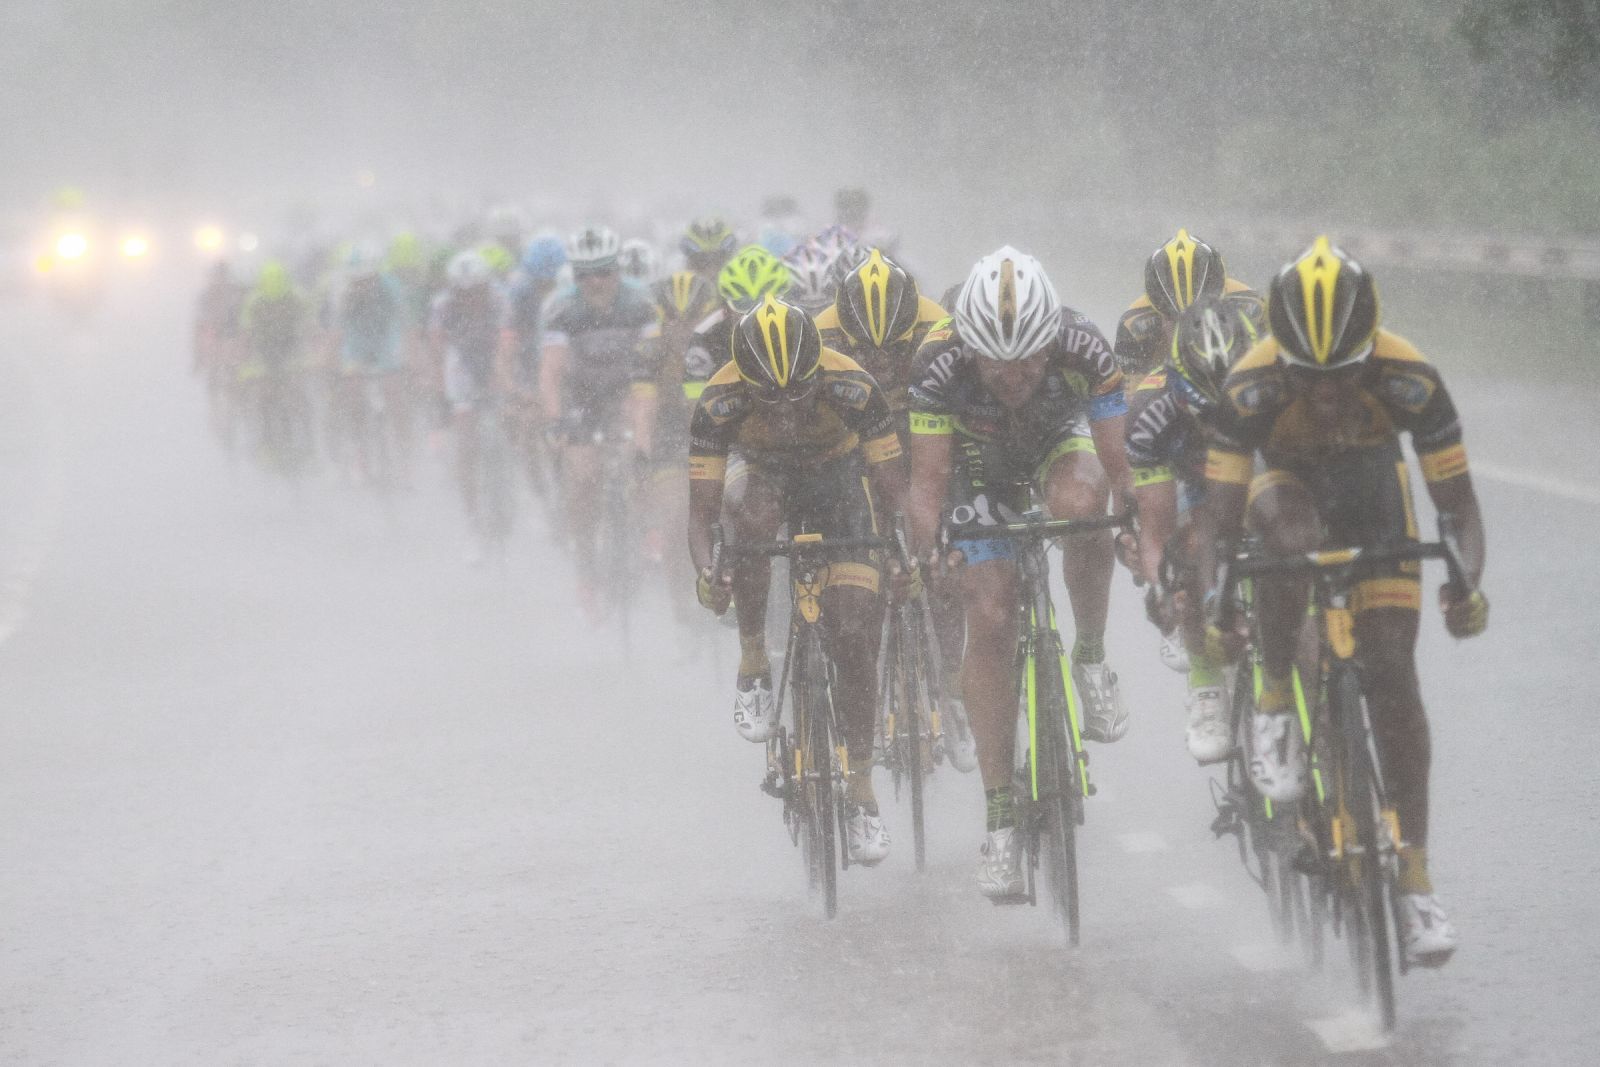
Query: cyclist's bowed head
[1008, 311]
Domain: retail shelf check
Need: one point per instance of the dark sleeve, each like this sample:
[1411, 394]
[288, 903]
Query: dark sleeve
[1088, 354]
[861, 405]
[1149, 433]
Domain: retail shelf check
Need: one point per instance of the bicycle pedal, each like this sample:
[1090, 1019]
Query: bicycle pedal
[773, 787]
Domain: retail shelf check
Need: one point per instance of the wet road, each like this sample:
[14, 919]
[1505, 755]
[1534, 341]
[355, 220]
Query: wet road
[282, 781]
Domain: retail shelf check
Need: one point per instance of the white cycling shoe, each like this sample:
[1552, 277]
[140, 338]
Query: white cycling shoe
[1104, 718]
[1173, 654]
[1426, 932]
[866, 838]
[960, 747]
[755, 713]
[1000, 865]
[1210, 739]
[1277, 756]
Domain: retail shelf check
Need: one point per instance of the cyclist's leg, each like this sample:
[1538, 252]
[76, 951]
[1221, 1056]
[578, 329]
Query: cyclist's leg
[989, 592]
[1074, 486]
[1282, 511]
[752, 511]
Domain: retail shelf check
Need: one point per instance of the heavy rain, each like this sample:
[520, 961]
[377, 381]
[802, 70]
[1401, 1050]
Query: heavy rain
[647, 532]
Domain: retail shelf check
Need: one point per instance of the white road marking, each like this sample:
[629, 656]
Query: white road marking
[1565, 488]
[1354, 1031]
[1142, 842]
[1265, 958]
[1197, 895]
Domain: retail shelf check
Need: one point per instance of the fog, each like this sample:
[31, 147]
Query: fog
[288, 775]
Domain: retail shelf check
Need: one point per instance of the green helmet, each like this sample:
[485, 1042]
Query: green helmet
[274, 282]
[750, 275]
[405, 252]
[500, 260]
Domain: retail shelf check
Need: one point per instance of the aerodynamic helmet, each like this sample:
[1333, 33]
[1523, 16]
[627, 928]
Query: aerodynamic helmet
[1183, 270]
[593, 250]
[1209, 338]
[1007, 309]
[1323, 309]
[776, 347]
[878, 301]
[751, 275]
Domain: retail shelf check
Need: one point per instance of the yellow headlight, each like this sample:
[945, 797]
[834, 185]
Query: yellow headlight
[135, 247]
[72, 246]
[208, 238]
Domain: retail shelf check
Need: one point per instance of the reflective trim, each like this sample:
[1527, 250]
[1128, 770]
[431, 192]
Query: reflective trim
[1143, 476]
[1444, 464]
[928, 423]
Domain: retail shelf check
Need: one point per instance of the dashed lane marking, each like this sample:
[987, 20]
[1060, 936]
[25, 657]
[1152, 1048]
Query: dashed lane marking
[1197, 895]
[1565, 488]
[1142, 842]
[1354, 1031]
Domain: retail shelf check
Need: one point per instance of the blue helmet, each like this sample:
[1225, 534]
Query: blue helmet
[544, 257]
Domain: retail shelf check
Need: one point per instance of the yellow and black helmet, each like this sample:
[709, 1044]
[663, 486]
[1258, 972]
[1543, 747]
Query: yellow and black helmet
[877, 301]
[751, 275]
[1323, 309]
[1183, 270]
[1208, 340]
[684, 296]
[776, 347]
[707, 242]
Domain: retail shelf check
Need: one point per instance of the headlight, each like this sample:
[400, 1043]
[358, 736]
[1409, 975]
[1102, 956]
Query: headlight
[135, 247]
[208, 238]
[72, 246]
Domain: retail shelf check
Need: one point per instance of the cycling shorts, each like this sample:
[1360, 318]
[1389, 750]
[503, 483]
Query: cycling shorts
[1363, 498]
[992, 483]
[832, 498]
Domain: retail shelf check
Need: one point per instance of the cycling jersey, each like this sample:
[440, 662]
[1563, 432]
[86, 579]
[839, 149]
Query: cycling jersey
[1144, 335]
[468, 322]
[1164, 438]
[604, 345]
[371, 320]
[1000, 452]
[890, 365]
[845, 411]
[1353, 469]
[275, 328]
[525, 300]
[710, 348]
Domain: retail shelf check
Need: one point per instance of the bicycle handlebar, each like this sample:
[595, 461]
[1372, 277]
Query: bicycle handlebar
[806, 544]
[1037, 528]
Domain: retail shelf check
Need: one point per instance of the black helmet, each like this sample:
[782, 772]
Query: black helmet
[877, 301]
[776, 347]
[1209, 338]
[1323, 309]
[1183, 270]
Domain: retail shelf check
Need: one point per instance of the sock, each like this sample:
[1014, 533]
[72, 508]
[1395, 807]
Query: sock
[1203, 675]
[1002, 808]
[1089, 649]
[753, 661]
[1277, 693]
[1414, 870]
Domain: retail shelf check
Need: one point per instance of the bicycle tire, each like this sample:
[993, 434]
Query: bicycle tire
[817, 769]
[1061, 797]
[1369, 889]
[913, 713]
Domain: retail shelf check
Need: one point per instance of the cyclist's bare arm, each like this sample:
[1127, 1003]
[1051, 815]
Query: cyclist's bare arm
[552, 369]
[1455, 497]
[705, 508]
[1110, 442]
[930, 479]
[1158, 520]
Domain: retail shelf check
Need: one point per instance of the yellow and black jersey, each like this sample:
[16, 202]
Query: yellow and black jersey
[1144, 335]
[845, 411]
[890, 365]
[1268, 411]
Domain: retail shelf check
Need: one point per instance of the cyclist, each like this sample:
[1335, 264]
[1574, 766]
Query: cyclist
[999, 411]
[531, 286]
[216, 347]
[595, 335]
[276, 324]
[811, 280]
[370, 341]
[880, 319]
[818, 440]
[1323, 402]
[465, 334]
[742, 283]
[1183, 270]
[1166, 449]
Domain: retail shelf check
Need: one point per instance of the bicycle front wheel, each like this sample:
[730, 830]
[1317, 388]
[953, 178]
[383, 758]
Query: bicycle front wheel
[1366, 882]
[1060, 797]
[814, 716]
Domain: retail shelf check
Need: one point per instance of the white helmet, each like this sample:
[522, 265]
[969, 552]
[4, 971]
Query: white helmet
[811, 283]
[639, 260]
[593, 248]
[467, 269]
[1007, 309]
